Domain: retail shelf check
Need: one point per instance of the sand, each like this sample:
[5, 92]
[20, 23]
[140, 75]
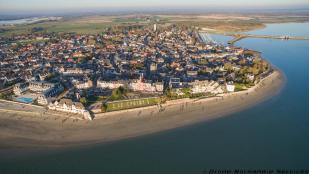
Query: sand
[19, 131]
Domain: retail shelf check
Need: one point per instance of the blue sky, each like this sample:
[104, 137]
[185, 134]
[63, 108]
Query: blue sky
[12, 5]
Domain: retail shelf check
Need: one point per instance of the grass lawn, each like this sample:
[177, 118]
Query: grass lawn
[129, 104]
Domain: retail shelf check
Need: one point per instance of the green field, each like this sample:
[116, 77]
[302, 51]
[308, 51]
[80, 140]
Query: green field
[62, 26]
[129, 104]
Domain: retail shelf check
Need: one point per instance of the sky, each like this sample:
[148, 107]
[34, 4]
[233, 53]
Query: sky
[58, 5]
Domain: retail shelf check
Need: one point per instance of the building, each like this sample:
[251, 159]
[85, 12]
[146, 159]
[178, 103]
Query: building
[205, 86]
[67, 105]
[140, 86]
[43, 75]
[230, 87]
[19, 88]
[110, 84]
[174, 83]
[153, 67]
[40, 86]
[83, 84]
[72, 71]
[50, 94]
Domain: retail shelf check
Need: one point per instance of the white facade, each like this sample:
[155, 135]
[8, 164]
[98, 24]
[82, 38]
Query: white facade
[40, 86]
[19, 88]
[110, 84]
[71, 71]
[44, 100]
[67, 105]
[230, 87]
[205, 86]
[138, 85]
[83, 84]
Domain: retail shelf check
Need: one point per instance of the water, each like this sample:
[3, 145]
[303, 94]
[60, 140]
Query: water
[271, 135]
[17, 21]
[302, 29]
[24, 99]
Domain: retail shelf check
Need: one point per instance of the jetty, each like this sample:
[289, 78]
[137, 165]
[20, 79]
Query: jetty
[238, 37]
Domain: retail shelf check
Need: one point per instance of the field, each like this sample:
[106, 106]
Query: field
[219, 23]
[129, 104]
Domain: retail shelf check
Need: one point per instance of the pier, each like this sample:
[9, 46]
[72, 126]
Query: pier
[238, 37]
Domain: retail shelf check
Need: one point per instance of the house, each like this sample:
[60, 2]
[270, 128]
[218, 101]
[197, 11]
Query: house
[230, 87]
[67, 105]
[43, 75]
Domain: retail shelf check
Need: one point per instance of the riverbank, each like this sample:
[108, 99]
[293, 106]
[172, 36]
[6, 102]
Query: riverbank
[22, 132]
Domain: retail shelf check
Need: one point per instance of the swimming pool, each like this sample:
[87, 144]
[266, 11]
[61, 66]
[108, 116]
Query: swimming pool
[24, 99]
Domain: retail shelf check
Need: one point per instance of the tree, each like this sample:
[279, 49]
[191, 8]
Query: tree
[228, 66]
[83, 100]
[118, 93]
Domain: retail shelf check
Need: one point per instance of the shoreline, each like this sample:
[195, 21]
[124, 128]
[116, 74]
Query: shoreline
[22, 133]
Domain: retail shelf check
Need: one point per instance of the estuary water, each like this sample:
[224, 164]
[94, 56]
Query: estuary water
[272, 135]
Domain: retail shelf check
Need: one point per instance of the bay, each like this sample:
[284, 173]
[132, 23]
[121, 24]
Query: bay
[271, 135]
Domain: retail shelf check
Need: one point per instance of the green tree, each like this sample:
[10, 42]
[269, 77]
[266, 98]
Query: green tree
[83, 100]
[118, 93]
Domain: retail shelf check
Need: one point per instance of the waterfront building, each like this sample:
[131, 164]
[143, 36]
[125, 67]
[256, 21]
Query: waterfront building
[230, 87]
[67, 105]
[174, 83]
[50, 94]
[19, 88]
[148, 87]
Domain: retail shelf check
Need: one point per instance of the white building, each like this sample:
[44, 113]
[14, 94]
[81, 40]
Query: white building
[110, 84]
[40, 86]
[67, 105]
[71, 71]
[84, 84]
[19, 88]
[230, 87]
[139, 85]
[49, 95]
[205, 86]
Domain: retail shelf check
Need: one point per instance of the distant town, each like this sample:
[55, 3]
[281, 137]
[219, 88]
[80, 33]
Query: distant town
[122, 68]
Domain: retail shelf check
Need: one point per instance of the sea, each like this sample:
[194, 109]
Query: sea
[272, 136]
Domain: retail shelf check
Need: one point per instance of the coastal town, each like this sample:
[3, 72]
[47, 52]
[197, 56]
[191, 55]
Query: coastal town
[122, 68]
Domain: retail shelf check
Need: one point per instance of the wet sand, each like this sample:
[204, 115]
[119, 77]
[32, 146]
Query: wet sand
[21, 132]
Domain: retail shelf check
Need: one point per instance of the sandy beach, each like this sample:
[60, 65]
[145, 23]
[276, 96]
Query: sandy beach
[22, 130]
